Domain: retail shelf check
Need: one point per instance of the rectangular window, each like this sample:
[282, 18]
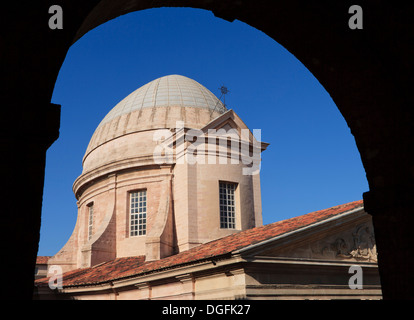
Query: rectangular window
[90, 224]
[138, 213]
[227, 205]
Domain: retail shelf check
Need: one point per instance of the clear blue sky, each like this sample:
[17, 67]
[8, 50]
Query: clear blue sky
[312, 162]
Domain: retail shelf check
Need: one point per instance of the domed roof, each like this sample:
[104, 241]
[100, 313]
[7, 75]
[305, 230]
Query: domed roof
[158, 104]
[172, 90]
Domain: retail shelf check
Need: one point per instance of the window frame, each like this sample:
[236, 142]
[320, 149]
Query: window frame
[228, 211]
[91, 208]
[138, 199]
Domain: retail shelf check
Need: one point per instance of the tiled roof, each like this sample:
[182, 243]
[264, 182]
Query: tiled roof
[42, 259]
[133, 266]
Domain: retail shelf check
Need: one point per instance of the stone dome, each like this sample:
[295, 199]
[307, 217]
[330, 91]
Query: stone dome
[158, 104]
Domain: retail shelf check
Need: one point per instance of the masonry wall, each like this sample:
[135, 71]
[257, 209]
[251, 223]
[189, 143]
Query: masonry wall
[196, 194]
[312, 281]
[273, 280]
[111, 237]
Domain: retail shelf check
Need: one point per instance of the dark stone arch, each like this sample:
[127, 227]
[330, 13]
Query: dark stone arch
[367, 72]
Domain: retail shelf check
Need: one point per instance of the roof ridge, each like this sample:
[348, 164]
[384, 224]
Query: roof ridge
[291, 219]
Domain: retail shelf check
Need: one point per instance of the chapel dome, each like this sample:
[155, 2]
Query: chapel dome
[172, 90]
[157, 104]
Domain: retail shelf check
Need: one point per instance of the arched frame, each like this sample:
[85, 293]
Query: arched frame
[366, 72]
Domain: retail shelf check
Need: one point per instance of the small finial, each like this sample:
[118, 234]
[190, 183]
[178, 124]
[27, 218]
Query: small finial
[224, 91]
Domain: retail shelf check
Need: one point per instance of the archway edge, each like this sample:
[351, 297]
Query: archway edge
[368, 74]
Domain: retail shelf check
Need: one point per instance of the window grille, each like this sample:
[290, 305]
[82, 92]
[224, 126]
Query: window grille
[227, 205]
[138, 213]
[90, 223]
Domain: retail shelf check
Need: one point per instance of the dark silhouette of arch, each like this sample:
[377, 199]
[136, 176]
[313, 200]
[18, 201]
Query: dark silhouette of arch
[367, 72]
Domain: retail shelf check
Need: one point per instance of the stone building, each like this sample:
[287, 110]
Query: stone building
[169, 206]
[41, 267]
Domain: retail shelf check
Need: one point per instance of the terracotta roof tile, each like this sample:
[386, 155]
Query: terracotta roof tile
[131, 266]
[42, 259]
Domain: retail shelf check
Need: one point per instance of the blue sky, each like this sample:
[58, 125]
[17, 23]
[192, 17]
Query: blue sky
[312, 162]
